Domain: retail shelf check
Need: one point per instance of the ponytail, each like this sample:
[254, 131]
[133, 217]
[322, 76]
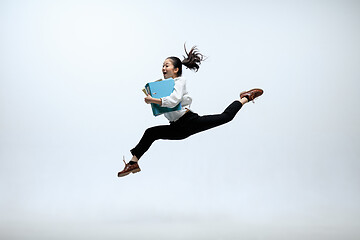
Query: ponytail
[192, 60]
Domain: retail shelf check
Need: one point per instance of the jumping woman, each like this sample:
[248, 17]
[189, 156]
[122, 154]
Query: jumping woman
[182, 123]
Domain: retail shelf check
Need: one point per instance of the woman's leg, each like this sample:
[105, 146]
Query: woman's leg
[185, 129]
[172, 132]
[210, 121]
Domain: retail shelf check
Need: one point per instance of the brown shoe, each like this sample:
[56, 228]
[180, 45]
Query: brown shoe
[129, 168]
[252, 94]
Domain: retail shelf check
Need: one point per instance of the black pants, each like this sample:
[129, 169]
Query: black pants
[189, 124]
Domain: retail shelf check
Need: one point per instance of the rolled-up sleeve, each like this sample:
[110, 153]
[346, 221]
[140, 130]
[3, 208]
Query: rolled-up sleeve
[176, 96]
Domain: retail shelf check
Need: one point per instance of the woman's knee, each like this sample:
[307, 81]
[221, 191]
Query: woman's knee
[228, 116]
[157, 132]
[151, 132]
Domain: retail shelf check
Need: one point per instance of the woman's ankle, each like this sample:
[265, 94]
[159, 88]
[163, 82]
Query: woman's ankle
[134, 159]
[244, 100]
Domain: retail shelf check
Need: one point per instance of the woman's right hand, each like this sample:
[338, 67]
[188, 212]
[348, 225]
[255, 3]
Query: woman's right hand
[149, 99]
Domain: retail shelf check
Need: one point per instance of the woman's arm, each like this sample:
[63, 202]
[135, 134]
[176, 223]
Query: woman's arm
[176, 96]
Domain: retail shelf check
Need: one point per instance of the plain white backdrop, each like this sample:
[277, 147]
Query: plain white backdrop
[287, 167]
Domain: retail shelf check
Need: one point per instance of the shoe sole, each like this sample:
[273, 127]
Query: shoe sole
[127, 173]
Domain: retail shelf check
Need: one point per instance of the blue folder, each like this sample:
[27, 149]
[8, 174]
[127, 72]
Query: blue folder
[160, 89]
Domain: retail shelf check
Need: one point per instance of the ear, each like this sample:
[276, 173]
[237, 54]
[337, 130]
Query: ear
[176, 70]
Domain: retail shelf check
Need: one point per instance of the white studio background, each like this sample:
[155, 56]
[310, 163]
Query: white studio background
[71, 106]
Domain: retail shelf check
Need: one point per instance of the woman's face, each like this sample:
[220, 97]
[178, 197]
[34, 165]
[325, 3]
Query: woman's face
[168, 69]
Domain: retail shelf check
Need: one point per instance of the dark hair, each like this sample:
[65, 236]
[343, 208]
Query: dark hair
[192, 60]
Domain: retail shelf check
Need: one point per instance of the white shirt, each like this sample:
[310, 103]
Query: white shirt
[179, 95]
